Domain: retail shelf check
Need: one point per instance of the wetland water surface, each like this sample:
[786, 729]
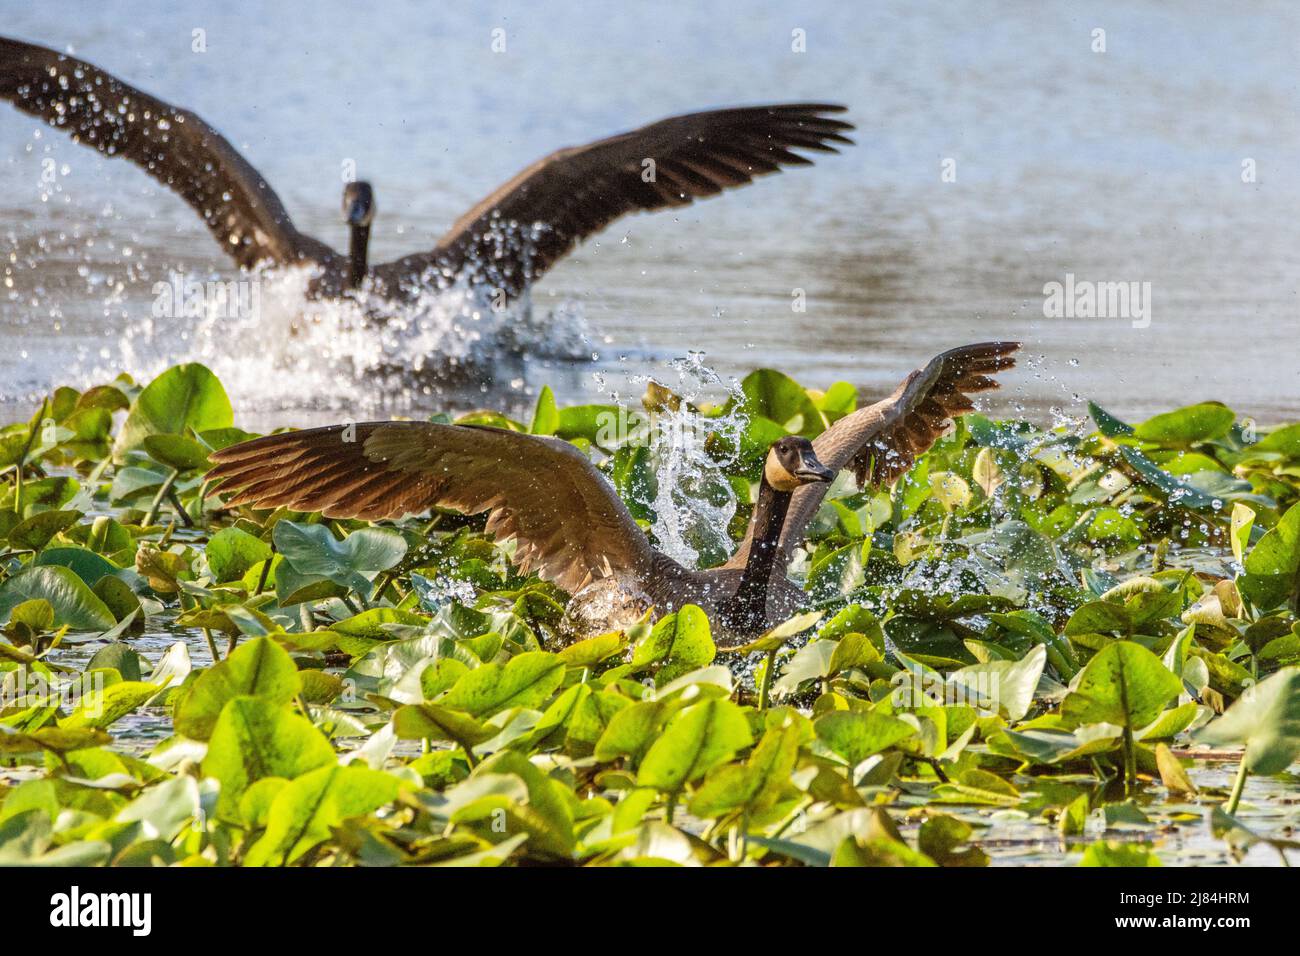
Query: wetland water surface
[1119, 166]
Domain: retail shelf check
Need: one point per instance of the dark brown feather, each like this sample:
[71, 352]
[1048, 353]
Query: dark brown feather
[514, 235]
[882, 441]
[172, 145]
[569, 524]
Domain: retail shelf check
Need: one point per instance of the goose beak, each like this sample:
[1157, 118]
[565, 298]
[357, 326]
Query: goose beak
[811, 470]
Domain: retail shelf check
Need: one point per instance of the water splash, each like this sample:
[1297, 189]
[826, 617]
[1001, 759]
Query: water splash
[281, 348]
[694, 502]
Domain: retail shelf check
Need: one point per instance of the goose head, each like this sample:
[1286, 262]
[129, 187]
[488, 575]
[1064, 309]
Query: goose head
[791, 462]
[358, 204]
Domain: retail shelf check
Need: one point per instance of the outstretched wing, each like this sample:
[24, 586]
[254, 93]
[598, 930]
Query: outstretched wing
[514, 235]
[880, 442]
[569, 524]
[172, 145]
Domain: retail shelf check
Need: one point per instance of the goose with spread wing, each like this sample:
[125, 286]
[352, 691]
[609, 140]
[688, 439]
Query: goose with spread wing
[568, 523]
[503, 244]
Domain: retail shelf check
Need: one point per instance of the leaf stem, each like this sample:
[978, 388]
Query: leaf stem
[266, 572]
[151, 515]
[22, 459]
[765, 685]
[212, 644]
[1238, 785]
[1130, 761]
[180, 508]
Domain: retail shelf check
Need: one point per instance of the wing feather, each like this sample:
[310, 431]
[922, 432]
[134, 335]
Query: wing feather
[514, 235]
[569, 524]
[173, 145]
[882, 441]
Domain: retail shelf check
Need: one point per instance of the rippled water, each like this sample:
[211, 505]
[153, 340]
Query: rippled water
[1117, 166]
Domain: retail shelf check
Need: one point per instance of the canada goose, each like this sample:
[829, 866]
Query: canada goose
[505, 242]
[569, 525]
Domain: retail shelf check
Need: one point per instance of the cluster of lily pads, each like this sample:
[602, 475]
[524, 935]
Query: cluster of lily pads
[1036, 626]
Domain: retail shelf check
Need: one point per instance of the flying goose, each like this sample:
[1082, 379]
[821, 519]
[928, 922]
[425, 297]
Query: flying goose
[568, 523]
[504, 243]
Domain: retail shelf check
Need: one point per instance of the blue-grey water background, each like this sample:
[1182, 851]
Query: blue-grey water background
[1123, 165]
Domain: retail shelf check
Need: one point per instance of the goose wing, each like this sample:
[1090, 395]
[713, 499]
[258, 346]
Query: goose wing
[569, 524]
[172, 145]
[880, 442]
[516, 234]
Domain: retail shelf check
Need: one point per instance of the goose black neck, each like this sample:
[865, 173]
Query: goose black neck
[747, 609]
[360, 240]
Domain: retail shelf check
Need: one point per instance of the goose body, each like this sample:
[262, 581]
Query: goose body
[569, 525]
[502, 244]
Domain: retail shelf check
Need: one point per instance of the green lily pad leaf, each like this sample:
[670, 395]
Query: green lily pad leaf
[75, 605]
[1171, 722]
[593, 650]
[1108, 424]
[777, 397]
[1124, 684]
[118, 598]
[1117, 853]
[1048, 746]
[1265, 719]
[319, 687]
[810, 662]
[1272, 565]
[1006, 687]
[1172, 773]
[166, 808]
[352, 563]
[942, 838]
[978, 787]
[755, 785]
[177, 451]
[26, 840]
[118, 656]
[526, 680]
[950, 490]
[232, 552]
[855, 736]
[255, 738]
[678, 643]
[590, 422]
[36, 614]
[36, 532]
[546, 416]
[695, 741]
[436, 722]
[100, 708]
[632, 729]
[183, 397]
[86, 564]
[1194, 423]
[1243, 519]
[55, 739]
[779, 635]
[1099, 617]
[547, 816]
[371, 623]
[853, 650]
[1179, 493]
[257, 668]
[304, 811]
